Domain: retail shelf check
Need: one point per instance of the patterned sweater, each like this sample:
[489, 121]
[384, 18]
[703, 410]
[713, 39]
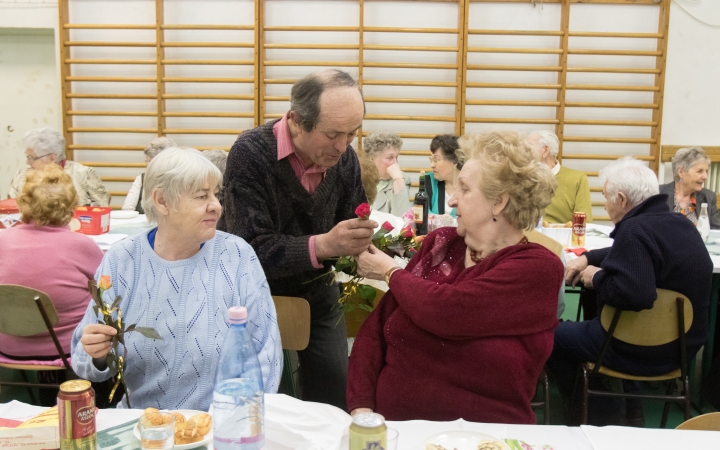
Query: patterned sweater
[267, 206]
[88, 184]
[186, 302]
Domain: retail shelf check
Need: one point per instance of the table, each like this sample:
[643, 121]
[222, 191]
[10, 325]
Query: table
[413, 433]
[120, 229]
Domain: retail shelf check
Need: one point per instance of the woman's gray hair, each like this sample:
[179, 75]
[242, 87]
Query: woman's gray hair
[631, 177]
[305, 94]
[174, 172]
[217, 157]
[157, 145]
[45, 141]
[378, 141]
[549, 139]
[685, 158]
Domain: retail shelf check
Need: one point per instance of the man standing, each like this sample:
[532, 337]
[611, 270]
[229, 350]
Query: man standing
[291, 188]
[45, 146]
[573, 192]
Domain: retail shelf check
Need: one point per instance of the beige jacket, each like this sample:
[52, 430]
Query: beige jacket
[87, 183]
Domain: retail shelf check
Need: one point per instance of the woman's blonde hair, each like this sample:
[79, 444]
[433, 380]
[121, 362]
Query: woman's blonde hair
[506, 164]
[48, 197]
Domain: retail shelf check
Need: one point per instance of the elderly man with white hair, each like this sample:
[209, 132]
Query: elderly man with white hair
[45, 146]
[653, 248]
[179, 278]
[573, 191]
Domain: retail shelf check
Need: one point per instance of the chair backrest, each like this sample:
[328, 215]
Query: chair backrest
[293, 316]
[707, 422]
[655, 326]
[20, 315]
[547, 242]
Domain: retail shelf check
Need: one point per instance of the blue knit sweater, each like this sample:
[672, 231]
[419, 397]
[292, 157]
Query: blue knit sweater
[186, 302]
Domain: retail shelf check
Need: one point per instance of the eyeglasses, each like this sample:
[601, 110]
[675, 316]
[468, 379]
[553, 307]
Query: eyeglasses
[30, 159]
[435, 159]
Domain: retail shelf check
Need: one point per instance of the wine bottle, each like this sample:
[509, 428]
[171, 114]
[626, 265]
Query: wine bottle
[420, 208]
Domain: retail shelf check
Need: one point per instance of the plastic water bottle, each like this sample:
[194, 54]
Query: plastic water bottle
[703, 223]
[238, 399]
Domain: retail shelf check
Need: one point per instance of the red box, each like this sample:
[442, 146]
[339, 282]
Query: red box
[93, 219]
[7, 208]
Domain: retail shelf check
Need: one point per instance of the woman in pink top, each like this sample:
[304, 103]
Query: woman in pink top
[42, 253]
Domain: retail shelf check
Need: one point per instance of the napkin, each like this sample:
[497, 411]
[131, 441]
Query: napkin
[294, 424]
[578, 251]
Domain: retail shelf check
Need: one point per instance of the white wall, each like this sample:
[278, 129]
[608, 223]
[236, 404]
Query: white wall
[692, 93]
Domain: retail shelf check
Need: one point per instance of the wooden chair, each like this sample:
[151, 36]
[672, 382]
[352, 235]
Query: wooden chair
[293, 317]
[667, 321]
[705, 422]
[27, 312]
[549, 243]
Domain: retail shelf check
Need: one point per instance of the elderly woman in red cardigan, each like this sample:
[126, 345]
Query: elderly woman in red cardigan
[466, 327]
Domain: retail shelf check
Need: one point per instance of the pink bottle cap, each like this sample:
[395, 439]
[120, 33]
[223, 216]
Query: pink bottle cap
[237, 314]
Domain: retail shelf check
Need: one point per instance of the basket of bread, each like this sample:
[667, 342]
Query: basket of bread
[191, 427]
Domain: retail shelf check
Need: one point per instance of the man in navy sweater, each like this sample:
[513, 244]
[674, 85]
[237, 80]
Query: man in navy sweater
[653, 248]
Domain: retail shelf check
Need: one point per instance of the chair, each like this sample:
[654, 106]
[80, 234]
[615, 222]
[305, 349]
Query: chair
[293, 317]
[667, 321]
[705, 422]
[549, 243]
[545, 402]
[27, 312]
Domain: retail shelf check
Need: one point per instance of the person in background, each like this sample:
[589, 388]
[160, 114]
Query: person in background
[45, 146]
[291, 189]
[441, 184]
[133, 200]
[437, 346]
[217, 157]
[686, 193]
[393, 195]
[573, 192]
[42, 253]
[180, 279]
[653, 248]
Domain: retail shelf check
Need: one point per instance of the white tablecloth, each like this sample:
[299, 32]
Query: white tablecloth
[414, 433]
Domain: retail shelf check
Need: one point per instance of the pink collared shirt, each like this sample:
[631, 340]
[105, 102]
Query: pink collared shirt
[309, 177]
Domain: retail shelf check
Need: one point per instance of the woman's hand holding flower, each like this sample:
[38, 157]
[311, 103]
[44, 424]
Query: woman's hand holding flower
[373, 263]
[96, 340]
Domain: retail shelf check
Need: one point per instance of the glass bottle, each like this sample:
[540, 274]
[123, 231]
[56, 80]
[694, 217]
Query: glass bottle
[420, 208]
[703, 223]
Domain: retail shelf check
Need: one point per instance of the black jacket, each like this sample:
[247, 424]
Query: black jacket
[704, 196]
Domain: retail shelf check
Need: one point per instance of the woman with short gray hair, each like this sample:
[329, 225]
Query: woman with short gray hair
[686, 193]
[179, 278]
[133, 199]
[393, 195]
[45, 146]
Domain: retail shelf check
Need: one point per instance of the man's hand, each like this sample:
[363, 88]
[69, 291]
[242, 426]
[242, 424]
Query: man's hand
[573, 270]
[374, 264]
[96, 340]
[587, 276]
[348, 237]
[360, 411]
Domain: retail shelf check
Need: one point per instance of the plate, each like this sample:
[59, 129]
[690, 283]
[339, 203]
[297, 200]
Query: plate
[188, 413]
[462, 440]
[123, 214]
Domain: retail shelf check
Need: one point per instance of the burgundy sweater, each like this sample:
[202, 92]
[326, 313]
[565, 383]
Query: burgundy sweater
[448, 342]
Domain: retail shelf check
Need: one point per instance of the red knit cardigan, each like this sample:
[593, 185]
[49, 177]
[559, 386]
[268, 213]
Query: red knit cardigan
[448, 342]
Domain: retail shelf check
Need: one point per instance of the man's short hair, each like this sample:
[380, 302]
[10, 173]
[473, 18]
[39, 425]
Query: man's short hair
[305, 94]
[549, 139]
[631, 177]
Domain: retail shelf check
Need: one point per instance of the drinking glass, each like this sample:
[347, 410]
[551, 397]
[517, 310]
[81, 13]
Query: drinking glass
[392, 438]
[157, 436]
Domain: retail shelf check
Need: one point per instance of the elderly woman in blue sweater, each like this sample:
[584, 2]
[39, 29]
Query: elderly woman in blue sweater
[180, 279]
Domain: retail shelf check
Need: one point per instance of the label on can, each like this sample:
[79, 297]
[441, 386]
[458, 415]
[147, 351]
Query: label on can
[76, 414]
[578, 229]
[376, 441]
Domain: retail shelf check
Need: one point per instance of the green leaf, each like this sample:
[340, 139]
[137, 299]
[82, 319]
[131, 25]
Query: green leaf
[345, 262]
[117, 301]
[366, 292]
[110, 361]
[96, 309]
[130, 328]
[367, 308]
[379, 233]
[148, 333]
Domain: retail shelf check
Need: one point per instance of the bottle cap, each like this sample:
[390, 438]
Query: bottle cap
[237, 314]
[703, 204]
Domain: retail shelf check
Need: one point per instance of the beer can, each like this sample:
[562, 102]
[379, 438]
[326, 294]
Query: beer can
[76, 411]
[578, 229]
[368, 432]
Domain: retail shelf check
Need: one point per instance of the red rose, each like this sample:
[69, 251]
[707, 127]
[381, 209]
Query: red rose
[407, 232]
[363, 211]
[387, 226]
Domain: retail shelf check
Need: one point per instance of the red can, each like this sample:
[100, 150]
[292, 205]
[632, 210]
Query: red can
[76, 411]
[578, 229]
